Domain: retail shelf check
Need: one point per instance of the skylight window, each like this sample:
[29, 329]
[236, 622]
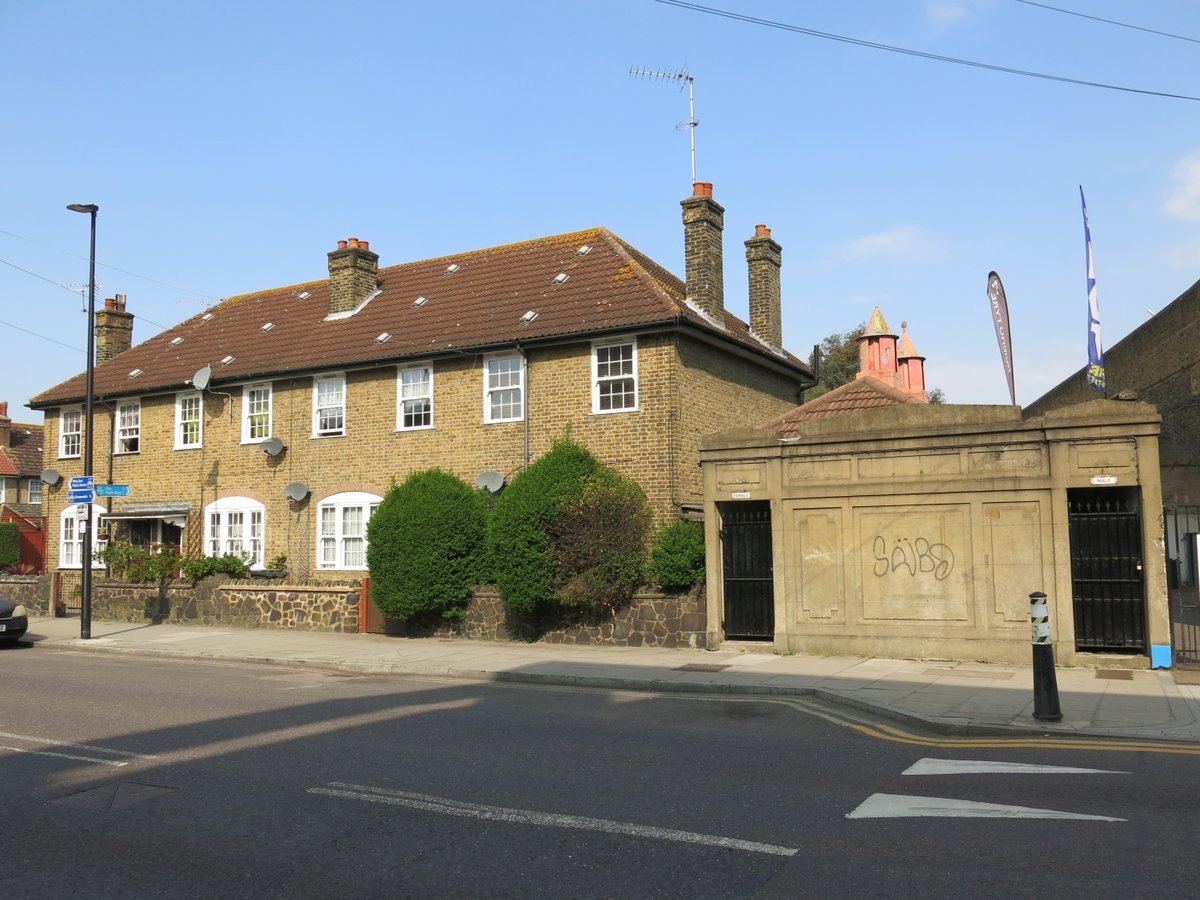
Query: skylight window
[384, 337]
[206, 316]
[583, 251]
[135, 373]
[561, 277]
[452, 268]
[176, 341]
[226, 360]
[420, 301]
[267, 326]
[529, 316]
[304, 295]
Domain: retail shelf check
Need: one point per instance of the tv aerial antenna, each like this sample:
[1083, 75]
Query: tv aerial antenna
[683, 76]
[81, 290]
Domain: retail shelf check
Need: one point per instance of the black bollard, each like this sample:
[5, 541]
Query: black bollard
[1045, 682]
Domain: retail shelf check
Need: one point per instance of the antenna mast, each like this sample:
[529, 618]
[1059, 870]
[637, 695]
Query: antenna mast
[682, 76]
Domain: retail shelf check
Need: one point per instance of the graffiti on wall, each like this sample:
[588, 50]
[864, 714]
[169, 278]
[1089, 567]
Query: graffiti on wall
[912, 556]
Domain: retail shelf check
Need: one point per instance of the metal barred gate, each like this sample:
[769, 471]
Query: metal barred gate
[1106, 570]
[746, 564]
[1181, 531]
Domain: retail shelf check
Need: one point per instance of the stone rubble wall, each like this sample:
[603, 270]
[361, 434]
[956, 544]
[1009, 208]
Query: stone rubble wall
[31, 591]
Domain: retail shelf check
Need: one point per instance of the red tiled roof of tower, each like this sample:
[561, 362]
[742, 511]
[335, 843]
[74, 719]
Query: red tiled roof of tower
[864, 393]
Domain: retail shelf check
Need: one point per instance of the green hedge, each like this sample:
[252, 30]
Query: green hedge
[10, 544]
[518, 533]
[425, 547]
[677, 556]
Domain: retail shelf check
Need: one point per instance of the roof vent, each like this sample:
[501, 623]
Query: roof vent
[304, 295]
[583, 251]
[267, 326]
[226, 360]
[176, 341]
[135, 373]
[206, 316]
[452, 268]
[561, 277]
[529, 316]
[384, 338]
[420, 301]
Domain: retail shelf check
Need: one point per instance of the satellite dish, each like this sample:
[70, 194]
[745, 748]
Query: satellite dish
[202, 378]
[272, 446]
[51, 476]
[490, 481]
[296, 491]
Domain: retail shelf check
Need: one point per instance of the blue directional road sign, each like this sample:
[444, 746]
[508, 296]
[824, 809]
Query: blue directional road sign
[82, 483]
[80, 496]
[112, 490]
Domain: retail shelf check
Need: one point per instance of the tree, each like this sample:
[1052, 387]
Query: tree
[839, 361]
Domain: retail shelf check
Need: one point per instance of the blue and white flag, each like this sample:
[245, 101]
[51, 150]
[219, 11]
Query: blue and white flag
[1095, 369]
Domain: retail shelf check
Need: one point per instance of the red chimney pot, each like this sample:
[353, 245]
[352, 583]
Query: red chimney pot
[702, 189]
[4, 408]
[110, 303]
[341, 245]
[762, 231]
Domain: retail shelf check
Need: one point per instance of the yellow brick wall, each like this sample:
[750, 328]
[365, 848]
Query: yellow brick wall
[681, 395]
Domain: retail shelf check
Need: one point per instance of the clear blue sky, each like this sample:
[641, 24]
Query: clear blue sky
[230, 145]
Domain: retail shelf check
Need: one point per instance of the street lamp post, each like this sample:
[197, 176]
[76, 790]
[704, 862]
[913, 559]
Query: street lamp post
[85, 599]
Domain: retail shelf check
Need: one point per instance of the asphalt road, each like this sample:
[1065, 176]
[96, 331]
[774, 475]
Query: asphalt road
[128, 777]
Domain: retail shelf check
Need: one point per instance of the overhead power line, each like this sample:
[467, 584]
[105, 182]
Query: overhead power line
[1071, 12]
[812, 32]
[42, 336]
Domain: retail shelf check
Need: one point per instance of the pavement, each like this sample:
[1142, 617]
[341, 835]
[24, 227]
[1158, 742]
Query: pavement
[943, 696]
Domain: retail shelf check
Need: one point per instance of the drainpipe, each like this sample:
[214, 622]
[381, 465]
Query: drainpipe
[525, 386]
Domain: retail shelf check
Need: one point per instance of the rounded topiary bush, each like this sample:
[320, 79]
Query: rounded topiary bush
[599, 542]
[424, 546]
[518, 531]
[677, 556]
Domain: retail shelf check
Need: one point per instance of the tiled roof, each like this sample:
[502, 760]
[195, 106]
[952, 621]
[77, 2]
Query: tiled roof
[24, 455]
[862, 393]
[478, 306]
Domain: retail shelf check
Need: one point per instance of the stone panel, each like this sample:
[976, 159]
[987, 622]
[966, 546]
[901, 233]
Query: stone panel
[915, 563]
[1013, 541]
[802, 470]
[909, 465]
[732, 476]
[1008, 460]
[1109, 456]
[820, 576]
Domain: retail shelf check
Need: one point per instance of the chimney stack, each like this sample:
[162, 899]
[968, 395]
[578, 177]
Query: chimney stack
[353, 274]
[877, 350]
[912, 366]
[5, 425]
[114, 329]
[703, 222]
[763, 259]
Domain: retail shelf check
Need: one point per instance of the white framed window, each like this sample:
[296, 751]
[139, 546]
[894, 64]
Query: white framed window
[256, 413]
[33, 490]
[237, 526]
[614, 377]
[73, 524]
[189, 421]
[329, 405]
[342, 529]
[4, 497]
[503, 389]
[70, 431]
[128, 435]
[414, 398]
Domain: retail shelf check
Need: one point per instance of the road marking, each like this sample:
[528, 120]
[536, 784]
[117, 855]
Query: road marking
[91, 759]
[448, 807]
[31, 739]
[901, 806]
[1041, 742]
[929, 766]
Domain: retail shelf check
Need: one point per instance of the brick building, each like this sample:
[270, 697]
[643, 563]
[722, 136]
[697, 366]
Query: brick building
[274, 422]
[21, 484]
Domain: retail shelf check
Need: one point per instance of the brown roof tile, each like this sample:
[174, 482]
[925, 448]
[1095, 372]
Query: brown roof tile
[854, 396]
[23, 456]
[612, 287]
